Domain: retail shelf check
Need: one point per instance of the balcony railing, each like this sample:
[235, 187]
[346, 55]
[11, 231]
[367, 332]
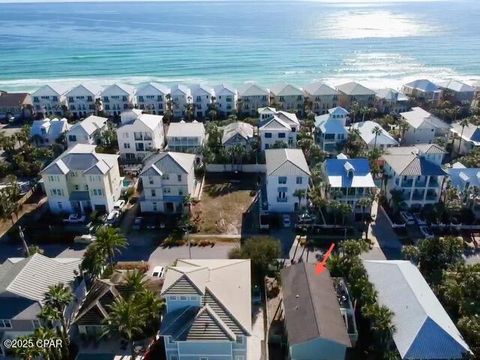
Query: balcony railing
[431, 196]
[282, 200]
[418, 195]
[433, 183]
[407, 183]
[420, 183]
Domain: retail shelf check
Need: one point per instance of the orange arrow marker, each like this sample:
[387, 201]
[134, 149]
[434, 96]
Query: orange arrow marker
[321, 266]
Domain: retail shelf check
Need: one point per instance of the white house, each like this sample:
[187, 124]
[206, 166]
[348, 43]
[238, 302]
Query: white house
[152, 97]
[349, 181]
[117, 98]
[82, 100]
[469, 135]
[251, 97]
[201, 99]
[226, 99]
[320, 97]
[49, 100]
[287, 97]
[45, 132]
[24, 282]
[368, 133]
[81, 180]
[330, 130]
[287, 171]
[186, 136]
[353, 92]
[181, 97]
[167, 178]
[278, 127]
[139, 135]
[423, 127]
[457, 91]
[237, 133]
[423, 89]
[391, 101]
[415, 172]
[88, 131]
[209, 311]
[467, 182]
[423, 329]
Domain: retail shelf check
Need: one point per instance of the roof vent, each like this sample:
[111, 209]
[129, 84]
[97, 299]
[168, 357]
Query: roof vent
[297, 296]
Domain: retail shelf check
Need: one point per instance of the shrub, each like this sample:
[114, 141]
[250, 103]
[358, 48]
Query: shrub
[141, 266]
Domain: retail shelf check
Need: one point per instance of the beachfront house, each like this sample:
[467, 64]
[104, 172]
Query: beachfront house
[151, 98]
[201, 99]
[167, 178]
[81, 180]
[117, 98]
[139, 135]
[278, 129]
[319, 98]
[82, 100]
[423, 329]
[349, 181]
[24, 282]
[287, 172]
[181, 98]
[318, 314]
[423, 127]
[415, 172]
[374, 136]
[465, 138]
[49, 100]
[353, 92]
[16, 105]
[251, 97]
[330, 130]
[238, 133]
[457, 92]
[88, 131]
[46, 132]
[423, 90]
[186, 136]
[208, 310]
[287, 97]
[391, 101]
[226, 99]
[467, 182]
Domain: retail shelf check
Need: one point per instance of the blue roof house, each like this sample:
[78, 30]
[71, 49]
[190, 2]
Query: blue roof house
[330, 130]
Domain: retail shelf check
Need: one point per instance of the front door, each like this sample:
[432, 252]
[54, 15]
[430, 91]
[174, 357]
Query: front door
[169, 207]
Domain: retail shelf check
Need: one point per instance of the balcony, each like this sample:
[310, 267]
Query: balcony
[433, 183]
[420, 183]
[431, 196]
[407, 183]
[418, 195]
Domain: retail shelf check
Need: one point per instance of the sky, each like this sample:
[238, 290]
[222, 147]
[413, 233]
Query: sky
[326, 1]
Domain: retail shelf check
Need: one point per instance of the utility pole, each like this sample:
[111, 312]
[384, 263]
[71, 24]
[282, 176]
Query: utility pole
[24, 243]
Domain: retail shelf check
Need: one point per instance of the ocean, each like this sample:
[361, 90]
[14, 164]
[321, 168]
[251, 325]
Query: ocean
[379, 44]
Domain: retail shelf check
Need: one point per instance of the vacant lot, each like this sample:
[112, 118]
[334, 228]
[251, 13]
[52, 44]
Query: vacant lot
[224, 200]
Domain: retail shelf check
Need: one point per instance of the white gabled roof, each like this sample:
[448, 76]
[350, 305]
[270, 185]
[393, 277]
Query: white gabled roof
[457, 86]
[286, 162]
[184, 161]
[90, 124]
[152, 88]
[418, 117]
[200, 89]
[285, 90]
[275, 123]
[423, 328]
[252, 90]
[180, 89]
[319, 89]
[186, 129]
[366, 133]
[423, 85]
[243, 129]
[51, 89]
[118, 88]
[223, 89]
[92, 89]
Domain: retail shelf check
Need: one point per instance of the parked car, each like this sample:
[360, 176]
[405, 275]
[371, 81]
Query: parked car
[158, 272]
[113, 217]
[286, 220]
[84, 239]
[75, 219]
[137, 223]
[119, 205]
[426, 232]
[407, 217]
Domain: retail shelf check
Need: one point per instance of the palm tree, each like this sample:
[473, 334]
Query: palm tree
[109, 242]
[300, 194]
[126, 319]
[27, 352]
[93, 262]
[135, 282]
[403, 127]
[464, 123]
[354, 109]
[377, 130]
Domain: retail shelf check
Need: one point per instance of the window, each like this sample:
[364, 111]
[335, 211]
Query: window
[268, 135]
[173, 298]
[165, 177]
[281, 135]
[5, 324]
[76, 187]
[150, 180]
[173, 357]
[282, 179]
[166, 190]
[36, 324]
[126, 146]
[179, 177]
[239, 340]
[72, 138]
[193, 298]
[299, 179]
[183, 298]
[154, 193]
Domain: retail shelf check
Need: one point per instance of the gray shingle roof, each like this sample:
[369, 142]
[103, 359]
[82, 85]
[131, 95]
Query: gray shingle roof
[183, 160]
[311, 307]
[277, 158]
[90, 124]
[319, 89]
[186, 129]
[243, 129]
[354, 88]
[423, 328]
[413, 165]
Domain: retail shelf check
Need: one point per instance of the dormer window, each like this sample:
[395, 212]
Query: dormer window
[349, 169]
